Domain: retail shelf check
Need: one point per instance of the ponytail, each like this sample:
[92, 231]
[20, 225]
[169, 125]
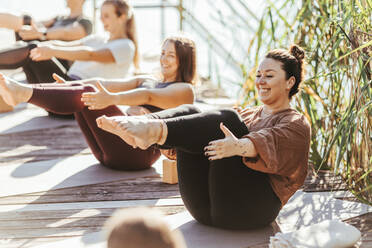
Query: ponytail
[132, 35]
[122, 7]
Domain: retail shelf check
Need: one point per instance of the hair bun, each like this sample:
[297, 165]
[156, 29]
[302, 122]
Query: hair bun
[297, 52]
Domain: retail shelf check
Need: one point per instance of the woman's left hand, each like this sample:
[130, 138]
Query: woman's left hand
[100, 99]
[222, 148]
[41, 53]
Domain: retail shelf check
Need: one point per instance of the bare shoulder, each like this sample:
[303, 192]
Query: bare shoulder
[182, 88]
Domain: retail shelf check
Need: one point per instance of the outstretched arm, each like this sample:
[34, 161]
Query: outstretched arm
[67, 33]
[169, 97]
[11, 21]
[84, 53]
[46, 31]
[112, 85]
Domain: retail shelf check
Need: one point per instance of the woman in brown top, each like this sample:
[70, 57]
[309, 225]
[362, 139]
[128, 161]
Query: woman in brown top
[236, 170]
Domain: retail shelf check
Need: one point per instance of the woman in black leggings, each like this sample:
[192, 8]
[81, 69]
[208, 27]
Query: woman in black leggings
[236, 169]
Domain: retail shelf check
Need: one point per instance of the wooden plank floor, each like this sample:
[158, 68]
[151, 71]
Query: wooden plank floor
[34, 227]
[29, 228]
[326, 181]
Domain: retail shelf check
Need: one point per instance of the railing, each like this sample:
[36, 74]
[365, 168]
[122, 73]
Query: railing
[163, 5]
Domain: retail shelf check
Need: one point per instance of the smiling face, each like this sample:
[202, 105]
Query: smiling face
[111, 21]
[169, 62]
[271, 83]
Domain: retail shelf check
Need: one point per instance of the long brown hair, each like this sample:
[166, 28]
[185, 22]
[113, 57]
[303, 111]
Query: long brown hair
[122, 7]
[186, 55]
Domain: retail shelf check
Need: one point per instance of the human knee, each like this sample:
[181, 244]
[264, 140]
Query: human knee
[232, 120]
[88, 88]
[141, 227]
[230, 114]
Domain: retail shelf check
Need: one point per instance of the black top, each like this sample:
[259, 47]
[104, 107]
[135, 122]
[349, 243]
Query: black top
[158, 85]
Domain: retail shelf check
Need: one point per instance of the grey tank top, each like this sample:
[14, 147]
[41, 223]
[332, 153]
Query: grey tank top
[152, 108]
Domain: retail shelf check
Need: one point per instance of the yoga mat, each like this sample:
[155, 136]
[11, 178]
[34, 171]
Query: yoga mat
[196, 236]
[62, 173]
[26, 117]
[305, 209]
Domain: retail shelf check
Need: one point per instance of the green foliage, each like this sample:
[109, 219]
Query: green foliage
[336, 95]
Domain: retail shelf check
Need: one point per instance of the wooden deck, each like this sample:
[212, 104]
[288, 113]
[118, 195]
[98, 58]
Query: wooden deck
[48, 223]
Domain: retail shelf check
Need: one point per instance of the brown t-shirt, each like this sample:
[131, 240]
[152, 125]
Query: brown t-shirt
[282, 141]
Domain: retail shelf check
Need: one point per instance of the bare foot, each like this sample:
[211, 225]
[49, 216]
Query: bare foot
[13, 92]
[109, 125]
[146, 132]
[142, 131]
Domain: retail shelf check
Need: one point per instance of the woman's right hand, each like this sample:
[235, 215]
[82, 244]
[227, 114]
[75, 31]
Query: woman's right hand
[222, 148]
[30, 32]
[100, 99]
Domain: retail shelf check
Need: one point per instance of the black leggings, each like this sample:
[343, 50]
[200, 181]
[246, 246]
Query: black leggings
[223, 193]
[36, 72]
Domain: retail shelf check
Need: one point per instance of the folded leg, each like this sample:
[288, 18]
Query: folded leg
[193, 171]
[60, 98]
[110, 149]
[16, 56]
[182, 110]
[241, 198]
[191, 133]
[41, 71]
